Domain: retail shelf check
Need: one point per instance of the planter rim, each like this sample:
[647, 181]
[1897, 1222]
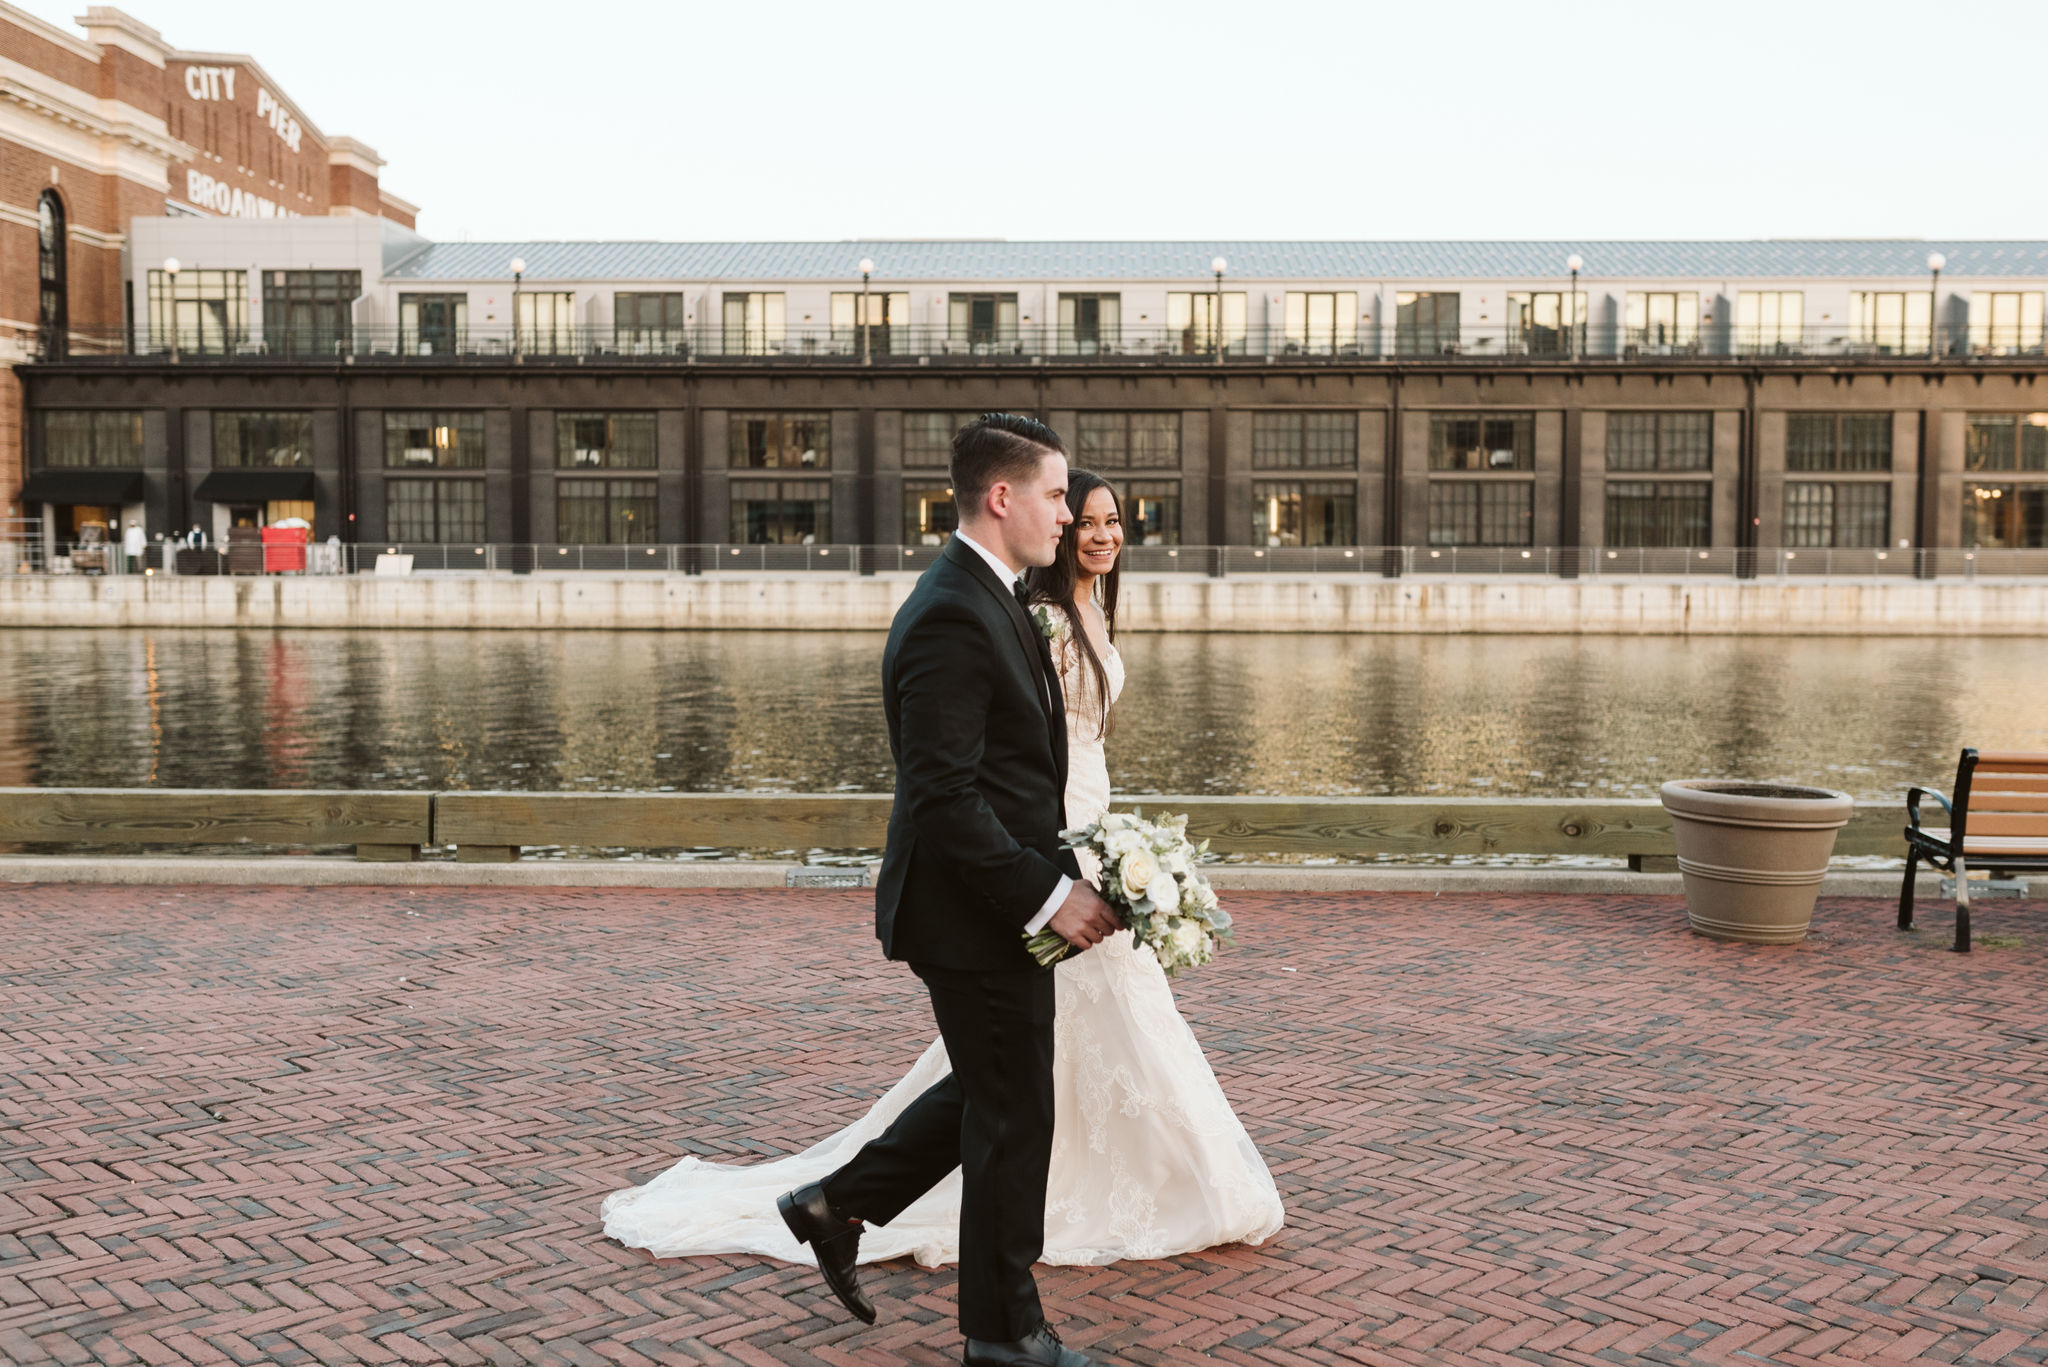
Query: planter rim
[1737, 802]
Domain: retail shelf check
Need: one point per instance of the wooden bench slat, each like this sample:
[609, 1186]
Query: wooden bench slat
[2007, 823]
[2007, 802]
[1981, 848]
[2011, 761]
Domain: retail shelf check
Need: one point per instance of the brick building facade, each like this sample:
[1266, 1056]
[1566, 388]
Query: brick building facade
[101, 129]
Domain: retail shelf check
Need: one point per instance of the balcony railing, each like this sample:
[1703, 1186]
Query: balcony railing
[909, 345]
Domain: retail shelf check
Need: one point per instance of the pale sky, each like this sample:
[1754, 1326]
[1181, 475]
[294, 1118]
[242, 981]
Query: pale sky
[790, 119]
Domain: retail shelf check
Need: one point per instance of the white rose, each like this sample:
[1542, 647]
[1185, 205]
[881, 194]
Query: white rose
[1138, 871]
[1163, 892]
[1187, 939]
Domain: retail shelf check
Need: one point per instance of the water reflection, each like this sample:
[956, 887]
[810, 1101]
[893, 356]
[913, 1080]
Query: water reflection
[1538, 715]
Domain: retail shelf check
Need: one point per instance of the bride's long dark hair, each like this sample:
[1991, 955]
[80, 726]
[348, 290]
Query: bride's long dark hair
[1055, 583]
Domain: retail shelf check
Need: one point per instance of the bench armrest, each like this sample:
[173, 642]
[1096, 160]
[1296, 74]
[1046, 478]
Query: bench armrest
[1913, 796]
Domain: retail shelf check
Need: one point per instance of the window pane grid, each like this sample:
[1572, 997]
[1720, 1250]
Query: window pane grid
[262, 439]
[1838, 441]
[1845, 515]
[81, 438]
[604, 512]
[1475, 441]
[612, 441]
[767, 441]
[928, 438]
[1658, 513]
[428, 511]
[443, 440]
[781, 512]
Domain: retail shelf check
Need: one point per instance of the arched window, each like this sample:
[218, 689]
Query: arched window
[53, 312]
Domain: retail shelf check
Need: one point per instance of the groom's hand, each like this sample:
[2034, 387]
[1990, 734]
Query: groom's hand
[1084, 919]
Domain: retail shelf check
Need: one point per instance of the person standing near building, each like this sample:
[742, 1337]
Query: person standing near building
[134, 545]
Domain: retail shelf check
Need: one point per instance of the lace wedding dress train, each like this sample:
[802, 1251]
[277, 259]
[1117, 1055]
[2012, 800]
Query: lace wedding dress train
[1148, 1159]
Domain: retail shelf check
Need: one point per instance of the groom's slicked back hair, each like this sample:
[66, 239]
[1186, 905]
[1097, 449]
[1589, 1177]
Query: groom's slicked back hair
[996, 448]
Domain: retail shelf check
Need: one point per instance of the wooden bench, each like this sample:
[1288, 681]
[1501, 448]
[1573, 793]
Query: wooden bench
[1998, 820]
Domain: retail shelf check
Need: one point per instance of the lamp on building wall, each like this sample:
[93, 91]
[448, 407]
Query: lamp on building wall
[518, 264]
[1573, 263]
[867, 268]
[1935, 261]
[171, 303]
[1218, 265]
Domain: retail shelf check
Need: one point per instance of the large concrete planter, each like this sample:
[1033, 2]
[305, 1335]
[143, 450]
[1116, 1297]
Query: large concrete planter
[1753, 854]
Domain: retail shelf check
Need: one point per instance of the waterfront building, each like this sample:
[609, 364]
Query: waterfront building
[324, 360]
[97, 131]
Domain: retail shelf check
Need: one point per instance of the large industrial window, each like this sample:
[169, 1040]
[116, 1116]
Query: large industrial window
[781, 512]
[768, 441]
[1818, 514]
[1481, 512]
[262, 439]
[445, 440]
[306, 313]
[608, 441]
[1321, 324]
[2013, 441]
[102, 438]
[1838, 441]
[1195, 323]
[1425, 323]
[434, 510]
[201, 312]
[1089, 324]
[1305, 513]
[1660, 441]
[1482, 441]
[1119, 440]
[1304, 441]
[928, 438]
[1769, 321]
[1662, 512]
[604, 512]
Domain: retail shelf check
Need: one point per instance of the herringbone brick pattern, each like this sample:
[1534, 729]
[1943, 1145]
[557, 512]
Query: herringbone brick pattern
[367, 1126]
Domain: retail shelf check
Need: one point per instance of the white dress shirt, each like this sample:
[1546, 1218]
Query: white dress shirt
[1010, 576]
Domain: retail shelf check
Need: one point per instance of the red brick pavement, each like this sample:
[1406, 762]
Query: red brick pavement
[357, 1126]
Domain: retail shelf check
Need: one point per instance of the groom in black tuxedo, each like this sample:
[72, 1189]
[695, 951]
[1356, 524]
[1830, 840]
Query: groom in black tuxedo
[974, 864]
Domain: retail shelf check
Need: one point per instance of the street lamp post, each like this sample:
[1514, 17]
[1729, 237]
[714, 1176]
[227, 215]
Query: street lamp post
[1218, 265]
[171, 304]
[518, 264]
[1935, 261]
[1573, 263]
[867, 268]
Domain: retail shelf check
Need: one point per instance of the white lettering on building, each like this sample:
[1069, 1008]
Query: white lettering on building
[269, 107]
[210, 82]
[218, 83]
[222, 198]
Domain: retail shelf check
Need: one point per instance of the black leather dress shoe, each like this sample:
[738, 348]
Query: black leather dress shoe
[1042, 1348]
[836, 1241]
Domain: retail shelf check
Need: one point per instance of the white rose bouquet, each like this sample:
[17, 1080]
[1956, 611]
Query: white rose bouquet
[1152, 875]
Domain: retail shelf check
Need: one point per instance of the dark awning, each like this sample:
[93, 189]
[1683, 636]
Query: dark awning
[97, 487]
[254, 486]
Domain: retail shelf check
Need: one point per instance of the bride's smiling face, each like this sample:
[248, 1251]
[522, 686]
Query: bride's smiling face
[1098, 533]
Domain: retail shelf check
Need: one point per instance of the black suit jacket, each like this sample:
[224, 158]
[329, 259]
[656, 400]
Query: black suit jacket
[978, 730]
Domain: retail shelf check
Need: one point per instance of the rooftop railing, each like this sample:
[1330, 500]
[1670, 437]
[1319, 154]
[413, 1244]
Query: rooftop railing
[899, 345]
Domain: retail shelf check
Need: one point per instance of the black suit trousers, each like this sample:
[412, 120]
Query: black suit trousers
[992, 1118]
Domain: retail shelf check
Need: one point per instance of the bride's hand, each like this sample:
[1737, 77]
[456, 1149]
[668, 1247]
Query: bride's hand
[1084, 919]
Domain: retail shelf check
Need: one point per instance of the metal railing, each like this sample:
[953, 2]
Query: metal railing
[1212, 561]
[902, 344]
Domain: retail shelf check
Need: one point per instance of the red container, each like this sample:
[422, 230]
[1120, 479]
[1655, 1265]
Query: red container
[284, 550]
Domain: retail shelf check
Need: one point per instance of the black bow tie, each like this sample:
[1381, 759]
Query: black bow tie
[1023, 594]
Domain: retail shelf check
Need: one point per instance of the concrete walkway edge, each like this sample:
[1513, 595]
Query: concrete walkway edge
[549, 873]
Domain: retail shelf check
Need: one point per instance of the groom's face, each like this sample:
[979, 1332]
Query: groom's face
[1038, 513]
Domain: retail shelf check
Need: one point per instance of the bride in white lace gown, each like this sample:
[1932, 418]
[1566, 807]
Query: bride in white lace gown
[1148, 1159]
